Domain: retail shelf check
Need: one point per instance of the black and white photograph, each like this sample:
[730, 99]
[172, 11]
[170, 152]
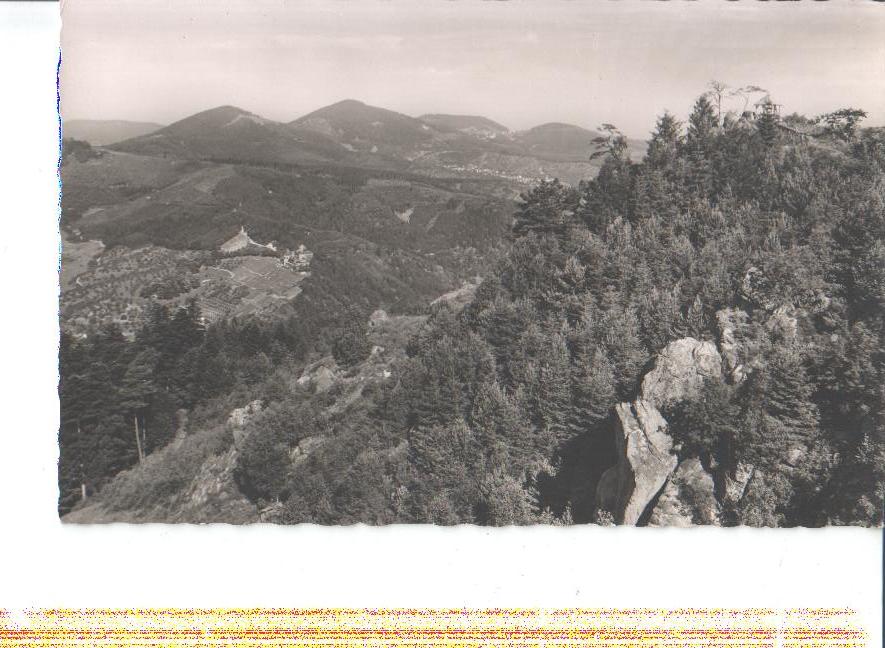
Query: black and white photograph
[472, 263]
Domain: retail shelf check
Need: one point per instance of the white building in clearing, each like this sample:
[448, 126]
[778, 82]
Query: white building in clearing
[238, 242]
[242, 240]
[297, 259]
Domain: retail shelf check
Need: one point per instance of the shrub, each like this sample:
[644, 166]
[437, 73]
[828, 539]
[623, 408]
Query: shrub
[352, 345]
[263, 462]
[164, 473]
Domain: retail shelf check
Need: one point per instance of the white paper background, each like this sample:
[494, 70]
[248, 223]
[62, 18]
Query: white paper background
[45, 564]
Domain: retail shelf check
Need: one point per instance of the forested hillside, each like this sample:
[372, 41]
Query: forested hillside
[754, 241]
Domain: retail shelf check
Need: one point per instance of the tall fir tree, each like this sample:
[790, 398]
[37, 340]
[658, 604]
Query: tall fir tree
[554, 389]
[699, 146]
[546, 209]
[663, 147]
[593, 390]
[788, 395]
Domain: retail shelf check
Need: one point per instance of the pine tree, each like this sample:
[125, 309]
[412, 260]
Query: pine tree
[109, 349]
[664, 143]
[766, 124]
[503, 501]
[110, 450]
[699, 145]
[788, 395]
[501, 324]
[501, 434]
[352, 344]
[136, 392]
[618, 333]
[659, 317]
[593, 390]
[426, 406]
[155, 331]
[702, 125]
[694, 322]
[654, 195]
[554, 388]
[546, 209]
[843, 123]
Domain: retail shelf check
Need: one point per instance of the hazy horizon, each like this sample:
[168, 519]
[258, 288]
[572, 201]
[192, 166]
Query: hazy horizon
[519, 63]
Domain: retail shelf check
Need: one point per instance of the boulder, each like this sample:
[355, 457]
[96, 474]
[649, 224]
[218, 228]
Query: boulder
[680, 371]
[736, 482]
[688, 498]
[794, 456]
[242, 415]
[645, 461]
[320, 374]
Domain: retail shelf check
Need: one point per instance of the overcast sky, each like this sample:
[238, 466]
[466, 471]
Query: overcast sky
[519, 62]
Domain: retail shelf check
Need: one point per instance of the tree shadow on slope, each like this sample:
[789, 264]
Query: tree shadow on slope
[581, 462]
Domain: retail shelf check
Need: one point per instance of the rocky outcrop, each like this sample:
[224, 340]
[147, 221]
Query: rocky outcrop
[239, 418]
[680, 371]
[213, 486]
[732, 324]
[736, 482]
[646, 471]
[687, 498]
[645, 461]
[320, 375]
[324, 379]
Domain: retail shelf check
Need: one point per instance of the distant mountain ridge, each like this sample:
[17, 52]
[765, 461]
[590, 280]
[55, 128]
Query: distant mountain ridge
[463, 123]
[100, 132]
[359, 126]
[556, 138]
[231, 133]
[353, 134]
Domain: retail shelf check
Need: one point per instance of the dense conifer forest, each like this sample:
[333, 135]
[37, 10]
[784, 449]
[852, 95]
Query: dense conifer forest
[502, 411]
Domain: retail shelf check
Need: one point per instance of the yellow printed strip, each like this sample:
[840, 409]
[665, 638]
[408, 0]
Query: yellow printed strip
[510, 628]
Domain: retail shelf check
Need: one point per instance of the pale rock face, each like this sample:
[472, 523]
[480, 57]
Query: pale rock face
[214, 475]
[405, 215]
[794, 456]
[319, 374]
[680, 371]
[732, 323]
[324, 379]
[736, 484]
[239, 418]
[645, 461]
[687, 498]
